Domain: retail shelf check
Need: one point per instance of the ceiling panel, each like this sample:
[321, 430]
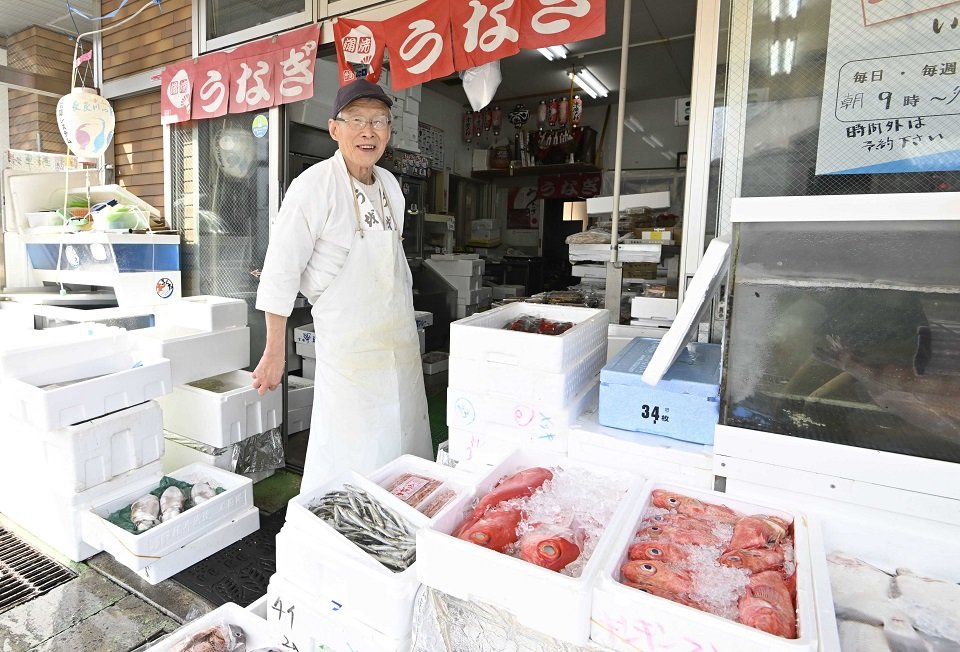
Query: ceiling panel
[53, 14]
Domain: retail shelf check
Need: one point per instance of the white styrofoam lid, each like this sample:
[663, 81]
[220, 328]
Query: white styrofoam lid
[708, 277]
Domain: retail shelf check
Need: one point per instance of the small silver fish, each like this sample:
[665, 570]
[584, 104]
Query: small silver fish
[145, 512]
[201, 493]
[171, 503]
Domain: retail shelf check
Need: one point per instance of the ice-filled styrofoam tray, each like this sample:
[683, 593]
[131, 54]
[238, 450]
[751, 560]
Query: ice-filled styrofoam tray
[256, 630]
[524, 383]
[77, 457]
[66, 353]
[193, 353]
[300, 516]
[477, 412]
[650, 455]
[136, 551]
[622, 616]
[304, 623]
[55, 406]
[483, 337]
[56, 518]
[221, 410]
[539, 598]
[203, 312]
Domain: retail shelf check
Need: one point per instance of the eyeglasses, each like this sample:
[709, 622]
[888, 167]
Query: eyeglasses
[359, 124]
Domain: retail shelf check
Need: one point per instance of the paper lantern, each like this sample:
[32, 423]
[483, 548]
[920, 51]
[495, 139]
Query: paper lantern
[86, 123]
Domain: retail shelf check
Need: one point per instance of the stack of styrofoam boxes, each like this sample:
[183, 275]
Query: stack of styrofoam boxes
[652, 311]
[77, 425]
[547, 601]
[213, 403]
[299, 403]
[405, 114]
[423, 319]
[343, 598]
[304, 338]
[499, 292]
[464, 272]
[509, 388]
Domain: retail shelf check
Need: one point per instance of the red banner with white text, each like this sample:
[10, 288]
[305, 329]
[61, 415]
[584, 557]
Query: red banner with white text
[419, 44]
[176, 91]
[485, 31]
[552, 22]
[360, 47]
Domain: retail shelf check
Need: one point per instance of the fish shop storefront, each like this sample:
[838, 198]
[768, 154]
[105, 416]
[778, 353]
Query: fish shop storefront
[754, 448]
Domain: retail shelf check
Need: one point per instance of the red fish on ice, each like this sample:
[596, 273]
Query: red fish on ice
[757, 532]
[767, 605]
[656, 575]
[679, 535]
[755, 560]
[496, 529]
[693, 507]
[551, 546]
[657, 551]
[521, 484]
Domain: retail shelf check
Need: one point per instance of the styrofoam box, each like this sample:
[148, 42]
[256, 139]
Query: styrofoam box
[55, 407]
[466, 310]
[422, 336]
[203, 312]
[482, 337]
[653, 308]
[487, 447]
[539, 598]
[485, 295]
[466, 286]
[257, 631]
[239, 526]
[316, 625]
[456, 265]
[137, 551]
[623, 615]
[423, 318]
[222, 418]
[299, 419]
[304, 339]
[299, 392]
[78, 457]
[54, 518]
[309, 367]
[527, 384]
[66, 353]
[380, 599]
[468, 298]
[432, 365]
[300, 516]
[181, 451]
[461, 483]
[196, 354]
[477, 412]
[650, 455]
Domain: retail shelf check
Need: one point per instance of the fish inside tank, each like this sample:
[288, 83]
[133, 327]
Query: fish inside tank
[848, 332]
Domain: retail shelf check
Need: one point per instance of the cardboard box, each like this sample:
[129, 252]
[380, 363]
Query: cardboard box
[684, 405]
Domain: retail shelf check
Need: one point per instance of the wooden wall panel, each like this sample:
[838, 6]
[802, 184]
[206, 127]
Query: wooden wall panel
[138, 147]
[151, 40]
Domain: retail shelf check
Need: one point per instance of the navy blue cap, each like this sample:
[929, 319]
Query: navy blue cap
[356, 90]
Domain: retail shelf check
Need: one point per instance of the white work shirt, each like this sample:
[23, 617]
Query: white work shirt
[313, 231]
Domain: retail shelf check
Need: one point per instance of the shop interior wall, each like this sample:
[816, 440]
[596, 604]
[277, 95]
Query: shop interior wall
[656, 118]
[138, 147]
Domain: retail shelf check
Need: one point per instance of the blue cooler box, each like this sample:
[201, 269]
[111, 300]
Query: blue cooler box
[684, 405]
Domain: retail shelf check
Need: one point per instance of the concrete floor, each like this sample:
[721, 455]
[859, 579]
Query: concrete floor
[109, 608]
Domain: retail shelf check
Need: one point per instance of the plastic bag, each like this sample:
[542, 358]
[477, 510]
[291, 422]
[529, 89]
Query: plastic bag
[222, 637]
[263, 452]
[481, 83]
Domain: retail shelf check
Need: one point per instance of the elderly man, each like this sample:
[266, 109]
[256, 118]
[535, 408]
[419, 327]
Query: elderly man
[337, 240]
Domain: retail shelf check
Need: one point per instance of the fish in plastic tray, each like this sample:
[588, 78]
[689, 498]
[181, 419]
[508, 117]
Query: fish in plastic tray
[714, 559]
[218, 638]
[539, 325]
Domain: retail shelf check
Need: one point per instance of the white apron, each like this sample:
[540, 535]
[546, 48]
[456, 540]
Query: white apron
[369, 401]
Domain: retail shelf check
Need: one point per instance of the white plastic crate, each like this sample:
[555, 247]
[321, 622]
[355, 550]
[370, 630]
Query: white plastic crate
[258, 634]
[381, 599]
[299, 392]
[524, 383]
[196, 354]
[221, 410]
[54, 407]
[482, 337]
[539, 598]
[137, 551]
[456, 265]
[241, 525]
[299, 515]
[180, 451]
[78, 457]
[66, 353]
[305, 624]
[650, 455]
[623, 615]
[202, 312]
[54, 518]
[478, 412]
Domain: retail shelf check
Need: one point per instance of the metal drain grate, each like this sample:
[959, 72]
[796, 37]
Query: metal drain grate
[25, 573]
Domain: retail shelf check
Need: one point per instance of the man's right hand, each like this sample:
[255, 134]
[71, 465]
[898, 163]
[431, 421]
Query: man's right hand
[269, 373]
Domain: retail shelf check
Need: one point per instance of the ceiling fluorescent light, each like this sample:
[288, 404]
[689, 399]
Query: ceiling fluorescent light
[554, 52]
[789, 51]
[793, 8]
[585, 80]
[589, 91]
[774, 58]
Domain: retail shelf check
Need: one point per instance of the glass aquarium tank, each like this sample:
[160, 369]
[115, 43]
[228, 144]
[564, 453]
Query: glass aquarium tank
[847, 332]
